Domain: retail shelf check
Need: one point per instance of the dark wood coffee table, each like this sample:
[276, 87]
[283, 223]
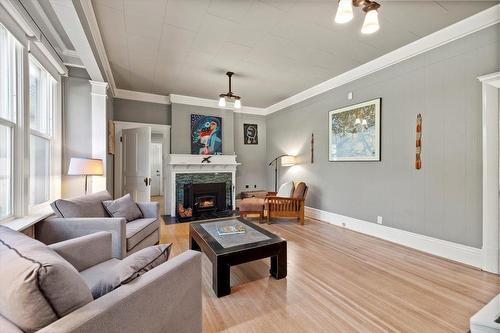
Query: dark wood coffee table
[229, 250]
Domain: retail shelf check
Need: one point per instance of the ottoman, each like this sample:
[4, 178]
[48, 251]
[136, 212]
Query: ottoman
[252, 206]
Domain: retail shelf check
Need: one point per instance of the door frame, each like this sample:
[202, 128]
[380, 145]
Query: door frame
[491, 171]
[161, 185]
[155, 129]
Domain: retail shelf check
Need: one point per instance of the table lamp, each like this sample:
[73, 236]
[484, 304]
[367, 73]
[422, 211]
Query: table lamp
[85, 167]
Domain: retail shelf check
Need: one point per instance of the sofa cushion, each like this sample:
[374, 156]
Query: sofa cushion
[98, 279]
[84, 206]
[37, 285]
[139, 229]
[123, 207]
[285, 190]
[252, 205]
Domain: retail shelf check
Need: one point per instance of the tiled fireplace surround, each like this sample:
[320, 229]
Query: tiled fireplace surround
[192, 169]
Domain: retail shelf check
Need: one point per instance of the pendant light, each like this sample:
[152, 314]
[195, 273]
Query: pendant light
[344, 12]
[230, 95]
[370, 25]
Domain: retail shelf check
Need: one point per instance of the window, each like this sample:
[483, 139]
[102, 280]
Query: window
[30, 134]
[9, 56]
[42, 88]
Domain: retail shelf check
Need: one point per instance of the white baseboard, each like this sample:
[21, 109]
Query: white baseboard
[453, 251]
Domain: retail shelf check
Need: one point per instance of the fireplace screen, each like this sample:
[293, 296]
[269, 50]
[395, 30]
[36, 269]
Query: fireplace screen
[206, 202]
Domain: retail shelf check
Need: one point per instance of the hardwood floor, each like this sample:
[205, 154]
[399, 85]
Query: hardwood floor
[342, 281]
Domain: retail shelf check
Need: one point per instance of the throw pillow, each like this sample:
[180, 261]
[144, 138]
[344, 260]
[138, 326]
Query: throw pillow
[285, 190]
[123, 207]
[131, 268]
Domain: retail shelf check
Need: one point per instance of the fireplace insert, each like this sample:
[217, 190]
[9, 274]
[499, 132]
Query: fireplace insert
[205, 197]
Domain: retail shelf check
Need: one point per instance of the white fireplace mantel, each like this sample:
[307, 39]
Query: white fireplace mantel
[187, 163]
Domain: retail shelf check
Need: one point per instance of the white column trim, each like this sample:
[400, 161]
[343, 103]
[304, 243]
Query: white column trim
[99, 131]
[491, 145]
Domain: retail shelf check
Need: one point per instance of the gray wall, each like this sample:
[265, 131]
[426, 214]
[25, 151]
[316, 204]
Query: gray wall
[181, 127]
[77, 131]
[252, 171]
[444, 198]
[142, 112]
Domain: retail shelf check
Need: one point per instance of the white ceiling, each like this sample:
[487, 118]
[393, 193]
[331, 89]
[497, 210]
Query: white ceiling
[277, 48]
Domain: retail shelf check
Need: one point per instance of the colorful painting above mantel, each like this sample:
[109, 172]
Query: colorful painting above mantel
[354, 132]
[206, 135]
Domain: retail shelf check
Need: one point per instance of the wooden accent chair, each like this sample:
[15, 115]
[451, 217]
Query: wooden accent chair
[287, 207]
[276, 206]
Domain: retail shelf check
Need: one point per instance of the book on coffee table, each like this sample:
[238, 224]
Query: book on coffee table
[230, 229]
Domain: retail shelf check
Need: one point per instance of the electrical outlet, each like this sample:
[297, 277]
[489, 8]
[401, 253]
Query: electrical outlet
[349, 95]
[379, 219]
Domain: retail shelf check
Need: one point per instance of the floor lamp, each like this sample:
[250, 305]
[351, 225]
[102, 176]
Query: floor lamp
[85, 167]
[286, 160]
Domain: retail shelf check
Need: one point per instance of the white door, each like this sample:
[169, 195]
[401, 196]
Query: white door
[156, 169]
[136, 163]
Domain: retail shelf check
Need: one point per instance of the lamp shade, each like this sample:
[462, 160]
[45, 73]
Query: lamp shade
[288, 160]
[85, 166]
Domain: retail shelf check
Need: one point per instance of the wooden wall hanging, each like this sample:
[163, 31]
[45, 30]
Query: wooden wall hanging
[418, 160]
[312, 148]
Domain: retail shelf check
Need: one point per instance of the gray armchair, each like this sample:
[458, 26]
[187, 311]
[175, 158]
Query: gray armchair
[86, 215]
[164, 299]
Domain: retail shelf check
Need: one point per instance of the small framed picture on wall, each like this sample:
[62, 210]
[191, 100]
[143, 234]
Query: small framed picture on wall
[250, 134]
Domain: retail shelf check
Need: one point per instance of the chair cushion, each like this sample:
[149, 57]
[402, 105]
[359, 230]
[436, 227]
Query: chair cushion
[252, 205]
[85, 206]
[37, 285]
[285, 190]
[97, 278]
[139, 229]
[300, 191]
[123, 207]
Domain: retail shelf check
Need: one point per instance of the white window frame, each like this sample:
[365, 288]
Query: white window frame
[40, 207]
[20, 207]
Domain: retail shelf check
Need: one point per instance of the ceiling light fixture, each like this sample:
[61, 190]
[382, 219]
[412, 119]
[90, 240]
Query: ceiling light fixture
[229, 95]
[344, 14]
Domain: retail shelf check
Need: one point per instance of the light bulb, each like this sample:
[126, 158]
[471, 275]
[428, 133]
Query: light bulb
[237, 104]
[222, 102]
[344, 11]
[364, 123]
[357, 122]
[370, 25]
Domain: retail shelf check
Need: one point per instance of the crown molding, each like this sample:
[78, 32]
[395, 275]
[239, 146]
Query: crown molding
[212, 103]
[141, 96]
[467, 26]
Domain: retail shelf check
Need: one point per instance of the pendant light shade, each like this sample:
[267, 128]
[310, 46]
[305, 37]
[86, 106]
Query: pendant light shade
[370, 25]
[222, 102]
[237, 104]
[344, 11]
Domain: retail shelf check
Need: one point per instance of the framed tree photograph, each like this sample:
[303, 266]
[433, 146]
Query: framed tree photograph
[250, 134]
[354, 132]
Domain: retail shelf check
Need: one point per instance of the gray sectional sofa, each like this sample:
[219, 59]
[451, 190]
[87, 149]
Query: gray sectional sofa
[85, 215]
[47, 289]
